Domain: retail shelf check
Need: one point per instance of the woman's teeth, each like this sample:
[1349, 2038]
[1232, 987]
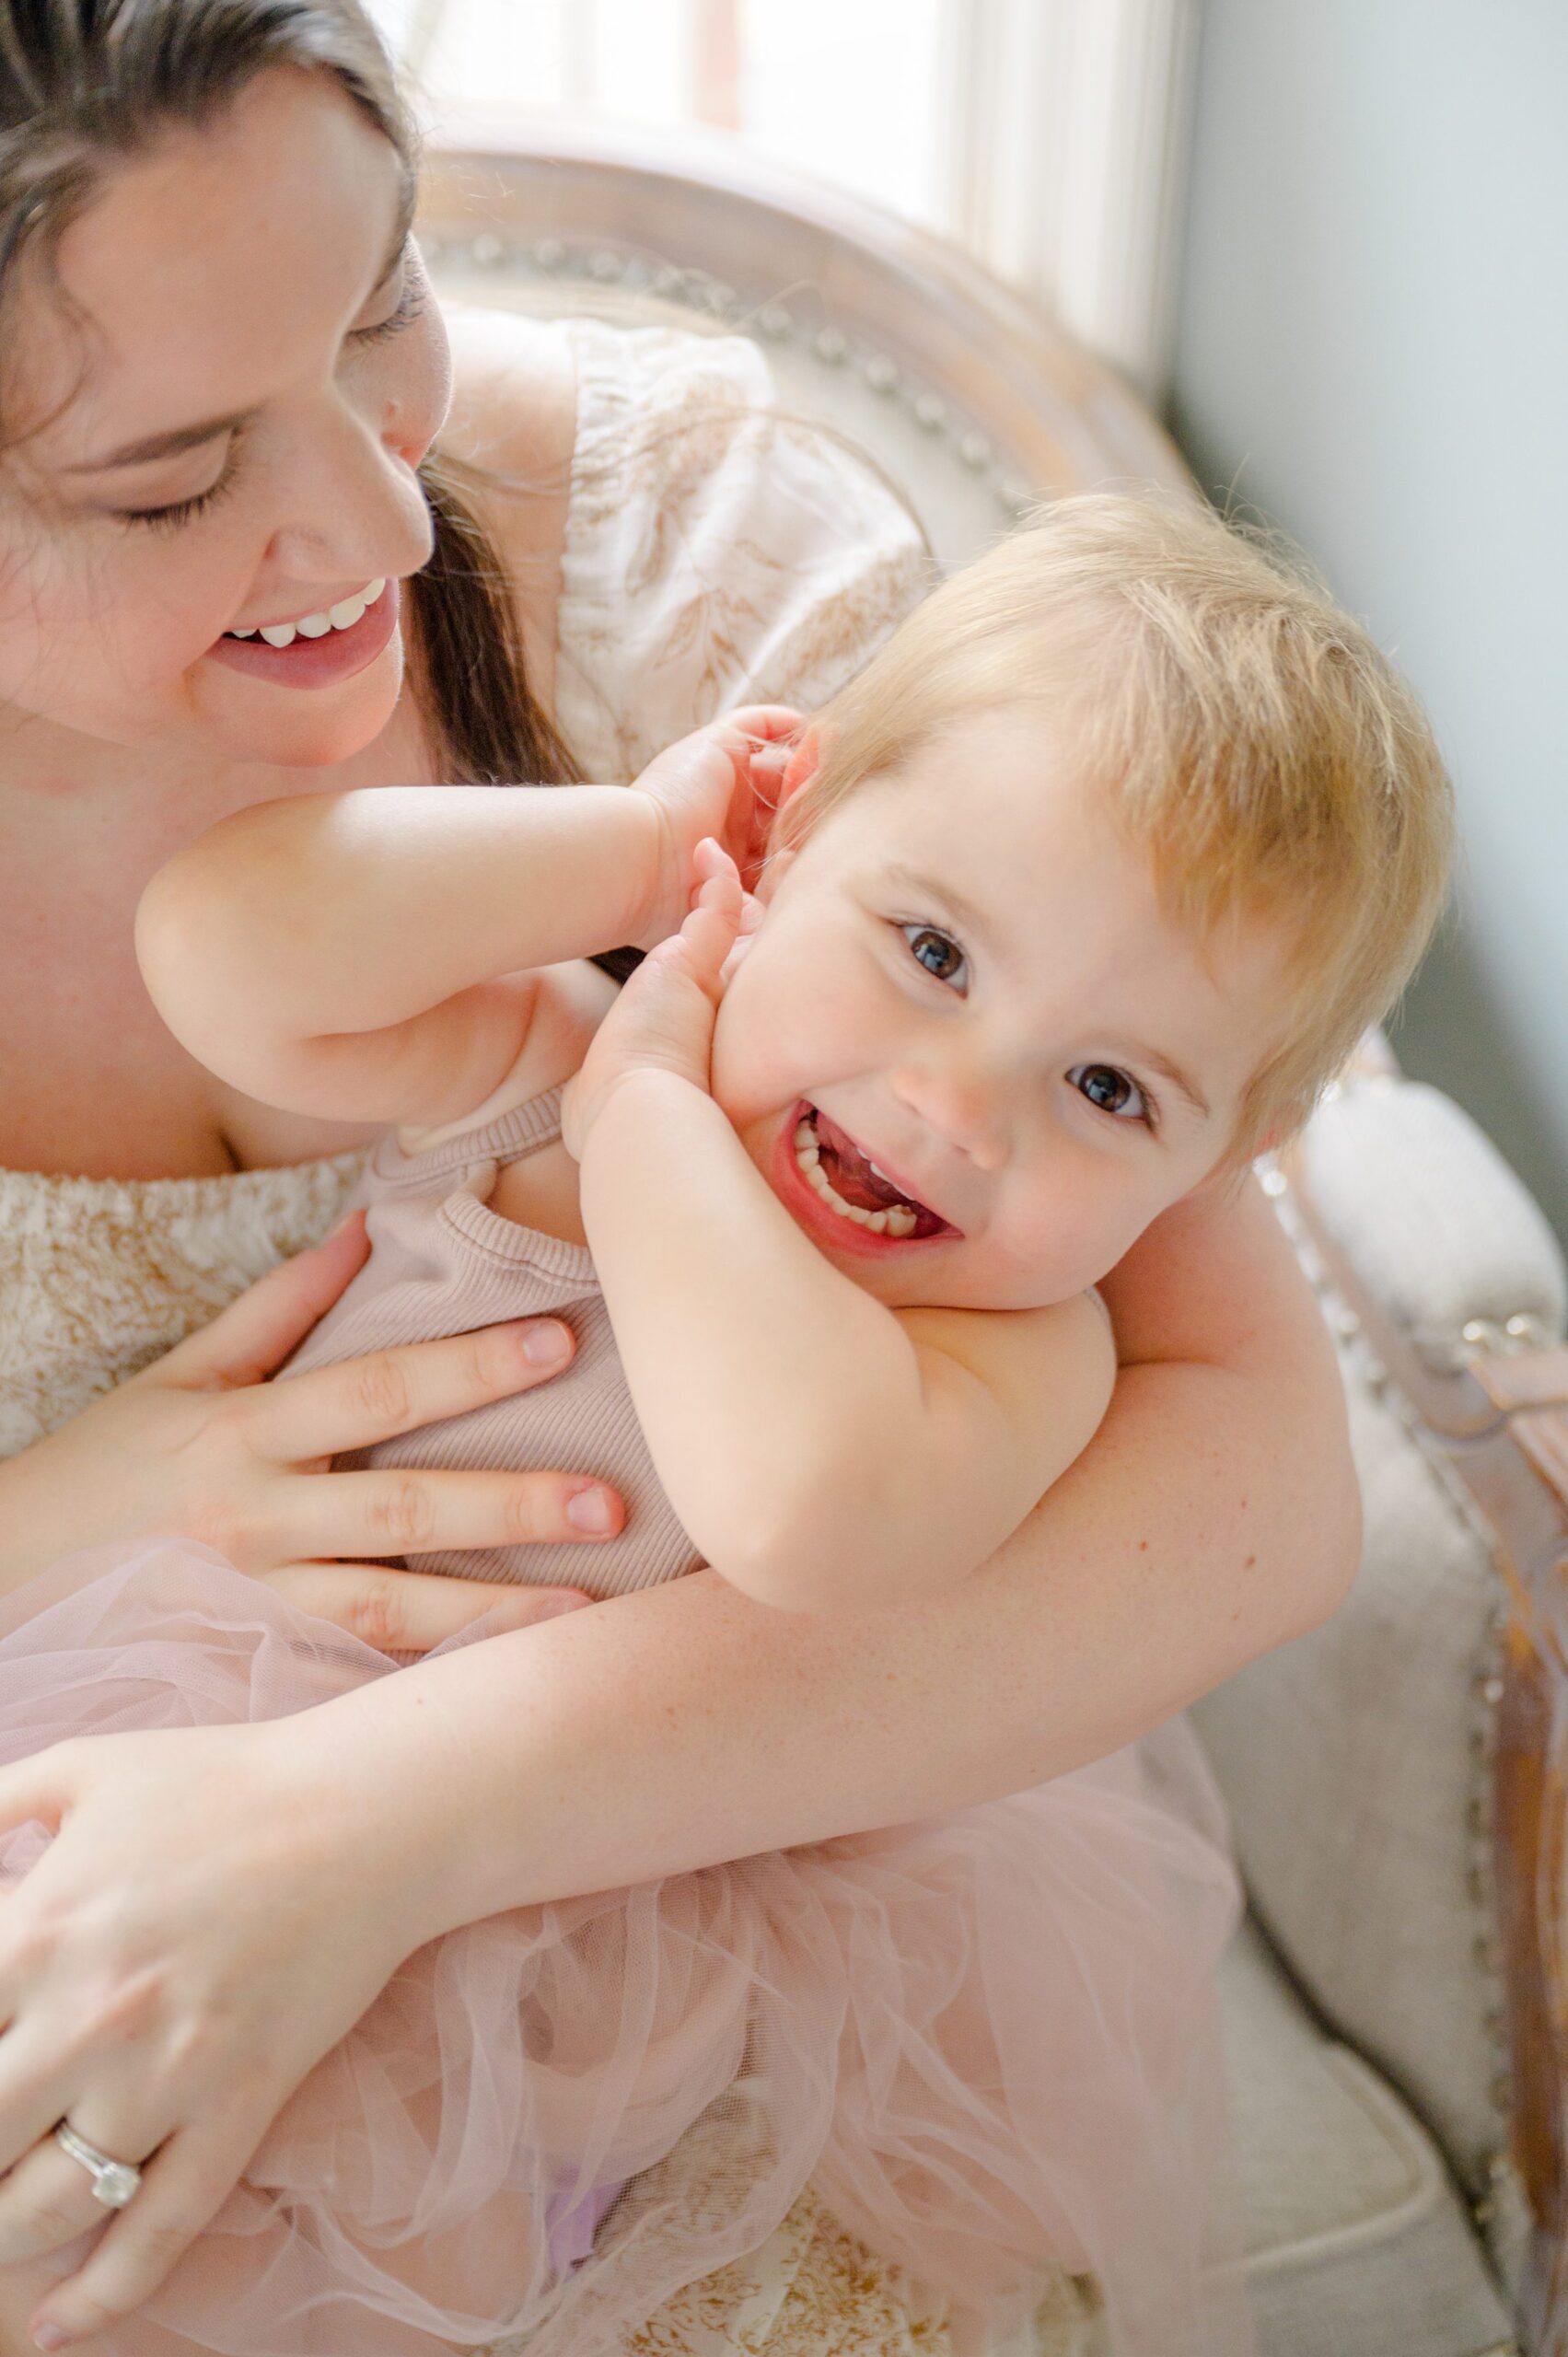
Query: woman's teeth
[341, 616]
[897, 1220]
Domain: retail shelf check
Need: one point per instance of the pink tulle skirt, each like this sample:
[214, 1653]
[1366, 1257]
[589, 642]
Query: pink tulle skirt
[988, 2041]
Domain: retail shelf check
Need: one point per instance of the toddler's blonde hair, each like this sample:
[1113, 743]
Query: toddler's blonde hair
[1242, 730]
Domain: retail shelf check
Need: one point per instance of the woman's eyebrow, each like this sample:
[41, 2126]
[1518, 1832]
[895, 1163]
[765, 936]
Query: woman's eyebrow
[180, 438]
[161, 445]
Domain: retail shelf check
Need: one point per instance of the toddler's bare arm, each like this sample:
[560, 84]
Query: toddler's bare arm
[823, 1451]
[374, 956]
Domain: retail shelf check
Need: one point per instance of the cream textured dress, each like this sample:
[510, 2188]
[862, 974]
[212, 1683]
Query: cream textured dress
[714, 554]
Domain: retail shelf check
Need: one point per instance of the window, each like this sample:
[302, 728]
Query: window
[1047, 136]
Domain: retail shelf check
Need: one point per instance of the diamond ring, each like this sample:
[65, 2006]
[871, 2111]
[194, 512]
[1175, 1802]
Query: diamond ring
[114, 2182]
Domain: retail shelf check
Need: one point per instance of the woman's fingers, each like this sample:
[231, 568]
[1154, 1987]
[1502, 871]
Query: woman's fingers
[39, 1789]
[255, 1334]
[34, 2091]
[363, 1400]
[183, 2186]
[45, 2202]
[409, 1612]
[407, 1511]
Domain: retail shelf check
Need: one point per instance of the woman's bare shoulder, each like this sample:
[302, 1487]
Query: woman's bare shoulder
[512, 428]
[513, 395]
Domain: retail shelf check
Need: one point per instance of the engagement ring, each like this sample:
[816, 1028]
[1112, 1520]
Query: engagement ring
[114, 2182]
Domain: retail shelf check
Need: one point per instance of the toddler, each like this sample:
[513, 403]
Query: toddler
[1072, 903]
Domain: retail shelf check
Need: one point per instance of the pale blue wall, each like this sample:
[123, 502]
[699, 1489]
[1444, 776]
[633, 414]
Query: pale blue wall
[1374, 350]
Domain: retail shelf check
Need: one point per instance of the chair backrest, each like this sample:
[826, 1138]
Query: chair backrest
[972, 400]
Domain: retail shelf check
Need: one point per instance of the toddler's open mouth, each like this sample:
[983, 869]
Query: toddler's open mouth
[846, 1180]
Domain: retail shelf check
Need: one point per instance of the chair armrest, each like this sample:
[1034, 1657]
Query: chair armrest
[1450, 1272]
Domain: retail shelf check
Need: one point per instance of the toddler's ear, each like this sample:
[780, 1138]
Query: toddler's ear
[802, 766]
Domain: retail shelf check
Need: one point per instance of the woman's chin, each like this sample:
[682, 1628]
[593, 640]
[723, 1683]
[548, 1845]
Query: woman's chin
[288, 729]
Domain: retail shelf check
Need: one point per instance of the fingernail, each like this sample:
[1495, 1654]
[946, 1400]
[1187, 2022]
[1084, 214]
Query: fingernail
[48, 2336]
[551, 1607]
[546, 1344]
[591, 1510]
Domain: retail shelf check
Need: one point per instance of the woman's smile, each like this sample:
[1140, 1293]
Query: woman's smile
[318, 649]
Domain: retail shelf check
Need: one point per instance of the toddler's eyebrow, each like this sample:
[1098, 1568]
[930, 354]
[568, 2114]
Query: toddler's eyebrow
[1180, 1081]
[921, 887]
[969, 921]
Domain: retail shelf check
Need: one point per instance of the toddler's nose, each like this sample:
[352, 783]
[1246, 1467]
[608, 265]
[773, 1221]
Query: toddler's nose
[964, 1109]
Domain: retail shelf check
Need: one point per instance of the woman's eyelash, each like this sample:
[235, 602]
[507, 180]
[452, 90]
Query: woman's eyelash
[411, 303]
[181, 511]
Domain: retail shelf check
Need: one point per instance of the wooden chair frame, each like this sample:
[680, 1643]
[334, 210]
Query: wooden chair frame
[628, 209]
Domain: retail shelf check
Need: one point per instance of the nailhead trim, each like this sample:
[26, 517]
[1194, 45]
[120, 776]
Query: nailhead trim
[695, 291]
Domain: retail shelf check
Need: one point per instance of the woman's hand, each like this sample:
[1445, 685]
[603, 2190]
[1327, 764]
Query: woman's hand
[201, 1447]
[723, 781]
[213, 1914]
[663, 1020]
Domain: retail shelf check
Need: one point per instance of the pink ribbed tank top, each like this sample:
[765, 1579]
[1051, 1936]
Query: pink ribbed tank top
[443, 1262]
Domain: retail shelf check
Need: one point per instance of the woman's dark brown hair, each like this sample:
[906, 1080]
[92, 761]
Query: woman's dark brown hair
[84, 84]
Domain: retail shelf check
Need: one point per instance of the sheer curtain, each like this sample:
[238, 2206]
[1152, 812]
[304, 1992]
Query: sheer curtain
[1047, 136]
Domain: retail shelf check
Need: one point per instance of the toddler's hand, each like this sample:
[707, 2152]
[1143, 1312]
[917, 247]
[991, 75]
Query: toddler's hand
[663, 1021]
[720, 782]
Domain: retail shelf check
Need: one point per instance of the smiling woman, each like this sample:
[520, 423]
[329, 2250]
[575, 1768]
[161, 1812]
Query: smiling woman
[143, 404]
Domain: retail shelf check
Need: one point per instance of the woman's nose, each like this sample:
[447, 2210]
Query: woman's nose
[966, 1109]
[364, 510]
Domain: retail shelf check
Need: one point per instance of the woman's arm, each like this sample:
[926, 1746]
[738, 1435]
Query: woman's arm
[1214, 1514]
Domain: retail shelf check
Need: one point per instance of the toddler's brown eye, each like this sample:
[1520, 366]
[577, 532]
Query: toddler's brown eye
[1109, 1090]
[933, 950]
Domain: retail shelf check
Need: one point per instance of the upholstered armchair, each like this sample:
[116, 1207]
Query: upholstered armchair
[1395, 2001]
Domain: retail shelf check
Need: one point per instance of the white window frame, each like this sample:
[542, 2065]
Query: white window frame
[1066, 174]
[1064, 149]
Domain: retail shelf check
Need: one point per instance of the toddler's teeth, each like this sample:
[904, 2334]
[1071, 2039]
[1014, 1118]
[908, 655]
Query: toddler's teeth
[313, 625]
[374, 591]
[278, 634]
[241, 634]
[895, 1219]
[344, 615]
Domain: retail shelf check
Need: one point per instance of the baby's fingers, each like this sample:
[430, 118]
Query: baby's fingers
[714, 920]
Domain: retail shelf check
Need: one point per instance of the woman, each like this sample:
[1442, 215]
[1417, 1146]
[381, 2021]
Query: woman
[220, 378]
